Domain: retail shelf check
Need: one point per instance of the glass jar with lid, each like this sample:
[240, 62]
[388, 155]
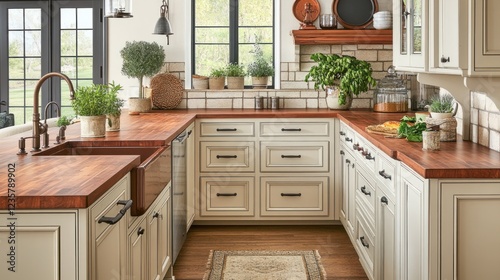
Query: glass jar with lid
[391, 95]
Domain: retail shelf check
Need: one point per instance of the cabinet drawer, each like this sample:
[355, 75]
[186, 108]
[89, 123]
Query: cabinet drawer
[346, 134]
[215, 129]
[365, 243]
[294, 156]
[227, 156]
[386, 174]
[365, 194]
[295, 129]
[294, 196]
[227, 196]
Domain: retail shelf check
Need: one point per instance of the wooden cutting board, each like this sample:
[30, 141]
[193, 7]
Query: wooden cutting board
[379, 129]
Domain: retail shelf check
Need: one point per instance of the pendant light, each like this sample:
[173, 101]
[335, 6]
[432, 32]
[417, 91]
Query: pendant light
[118, 8]
[163, 26]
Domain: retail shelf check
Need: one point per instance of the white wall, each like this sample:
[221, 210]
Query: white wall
[147, 12]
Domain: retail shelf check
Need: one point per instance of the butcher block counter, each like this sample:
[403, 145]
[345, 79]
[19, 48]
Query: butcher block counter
[77, 181]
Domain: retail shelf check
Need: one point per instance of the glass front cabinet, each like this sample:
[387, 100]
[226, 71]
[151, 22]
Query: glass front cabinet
[410, 26]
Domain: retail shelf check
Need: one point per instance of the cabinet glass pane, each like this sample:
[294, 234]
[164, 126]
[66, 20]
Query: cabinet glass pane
[417, 26]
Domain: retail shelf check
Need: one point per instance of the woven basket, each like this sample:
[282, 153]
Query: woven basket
[166, 91]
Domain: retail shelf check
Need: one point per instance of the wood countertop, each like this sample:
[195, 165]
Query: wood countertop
[53, 182]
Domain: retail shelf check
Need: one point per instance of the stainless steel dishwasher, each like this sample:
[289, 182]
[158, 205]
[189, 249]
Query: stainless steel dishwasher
[179, 200]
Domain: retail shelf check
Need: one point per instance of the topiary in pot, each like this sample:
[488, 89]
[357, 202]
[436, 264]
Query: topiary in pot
[260, 70]
[141, 59]
[344, 75]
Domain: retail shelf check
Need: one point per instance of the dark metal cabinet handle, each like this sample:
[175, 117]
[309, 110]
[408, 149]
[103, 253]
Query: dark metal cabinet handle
[369, 156]
[445, 59]
[342, 153]
[342, 133]
[291, 129]
[347, 139]
[226, 156]
[385, 175]
[226, 129]
[156, 215]
[140, 231]
[291, 194]
[347, 161]
[364, 191]
[117, 218]
[384, 200]
[363, 242]
[227, 194]
[406, 13]
[291, 156]
[355, 147]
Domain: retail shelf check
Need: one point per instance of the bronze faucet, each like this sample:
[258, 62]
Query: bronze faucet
[37, 126]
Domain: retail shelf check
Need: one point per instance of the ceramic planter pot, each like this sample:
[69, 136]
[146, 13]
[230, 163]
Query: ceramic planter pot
[235, 82]
[259, 82]
[332, 99]
[440, 116]
[93, 126]
[139, 105]
[216, 83]
[200, 83]
[113, 122]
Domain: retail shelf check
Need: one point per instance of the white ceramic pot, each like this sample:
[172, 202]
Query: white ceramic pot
[93, 126]
[332, 99]
[113, 122]
[440, 116]
[138, 105]
[259, 82]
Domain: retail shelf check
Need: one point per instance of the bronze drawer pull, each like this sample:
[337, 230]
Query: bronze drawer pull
[342, 133]
[226, 129]
[363, 242]
[291, 129]
[368, 156]
[291, 156]
[365, 192]
[384, 200]
[118, 217]
[385, 175]
[140, 231]
[226, 156]
[227, 194]
[347, 139]
[291, 194]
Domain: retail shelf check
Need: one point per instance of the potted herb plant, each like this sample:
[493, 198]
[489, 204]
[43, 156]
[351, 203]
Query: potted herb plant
[217, 78]
[141, 59]
[341, 77]
[92, 104]
[260, 70]
[442, 106]
[115, 104]
[235, 74]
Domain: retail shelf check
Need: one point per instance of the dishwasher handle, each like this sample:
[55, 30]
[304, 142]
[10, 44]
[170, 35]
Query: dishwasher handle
[183, 136]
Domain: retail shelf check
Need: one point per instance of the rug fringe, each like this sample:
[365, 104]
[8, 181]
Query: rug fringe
[208, 267]
[318, 258]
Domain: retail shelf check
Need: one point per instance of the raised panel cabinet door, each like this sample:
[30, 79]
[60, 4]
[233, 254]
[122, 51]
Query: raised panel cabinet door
[386, 237]
[38, 246]
[485, 44]
[109, 252]
[470, 247]
[348, 191]
[137, 244]
[160, 245]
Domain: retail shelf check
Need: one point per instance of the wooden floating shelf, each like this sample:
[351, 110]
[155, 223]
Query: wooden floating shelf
[342, 36]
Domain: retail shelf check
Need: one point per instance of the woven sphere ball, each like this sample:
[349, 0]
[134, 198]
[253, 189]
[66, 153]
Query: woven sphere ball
[166, 91]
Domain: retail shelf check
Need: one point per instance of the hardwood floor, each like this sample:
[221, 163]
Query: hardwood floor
[337, 253]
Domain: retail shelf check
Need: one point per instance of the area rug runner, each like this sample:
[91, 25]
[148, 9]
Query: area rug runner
[264, 265]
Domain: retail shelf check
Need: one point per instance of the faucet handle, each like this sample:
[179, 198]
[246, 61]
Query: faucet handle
[62, 132]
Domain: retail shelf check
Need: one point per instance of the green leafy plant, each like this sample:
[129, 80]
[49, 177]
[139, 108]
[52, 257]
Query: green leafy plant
[235, 70]
[259, 67]
[411, 129]
[442, 104]
[96, 100]
[64, 120]
[351, 75]
[217, 73]
[141, 59]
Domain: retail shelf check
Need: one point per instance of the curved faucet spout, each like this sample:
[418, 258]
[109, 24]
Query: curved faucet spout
[36, 114]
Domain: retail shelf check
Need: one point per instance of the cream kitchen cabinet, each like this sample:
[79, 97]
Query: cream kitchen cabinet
[410, 35]
[265, 169]
[137, 251]
[348, 191]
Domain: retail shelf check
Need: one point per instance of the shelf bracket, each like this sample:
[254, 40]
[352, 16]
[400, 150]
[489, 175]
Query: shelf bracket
[456, 86]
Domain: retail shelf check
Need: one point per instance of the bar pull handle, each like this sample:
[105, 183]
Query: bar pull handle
[226, 129]
[347, 139]
[364, 191]
[291, 129]
[226, 156]
[385, 175]
[113, 220]
[363, 242]
[291, 194]
[291, 156]
[227, 194]
[369, 156]
[342, 133]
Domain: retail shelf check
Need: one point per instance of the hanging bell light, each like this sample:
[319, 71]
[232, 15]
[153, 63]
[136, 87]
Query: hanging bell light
[163, 26]
[118, 8]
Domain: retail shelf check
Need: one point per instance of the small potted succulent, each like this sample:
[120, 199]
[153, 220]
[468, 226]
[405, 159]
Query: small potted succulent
[217, 78]
[442, 107]
[235, 74]
[341, 77]
[115, 104]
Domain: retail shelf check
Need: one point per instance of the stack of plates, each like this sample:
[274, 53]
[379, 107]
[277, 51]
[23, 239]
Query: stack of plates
[382, 20]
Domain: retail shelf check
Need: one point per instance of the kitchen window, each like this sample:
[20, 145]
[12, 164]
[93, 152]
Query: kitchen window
[37, 37]
[225, 31]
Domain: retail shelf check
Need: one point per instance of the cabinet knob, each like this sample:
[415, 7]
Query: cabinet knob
[445, 59]
[365, 192]
[363, 242]
[384, 200]
[156, 215]
[406, 13]
[347, 139]
[140, 231]
[342, 133]
[342, 153]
